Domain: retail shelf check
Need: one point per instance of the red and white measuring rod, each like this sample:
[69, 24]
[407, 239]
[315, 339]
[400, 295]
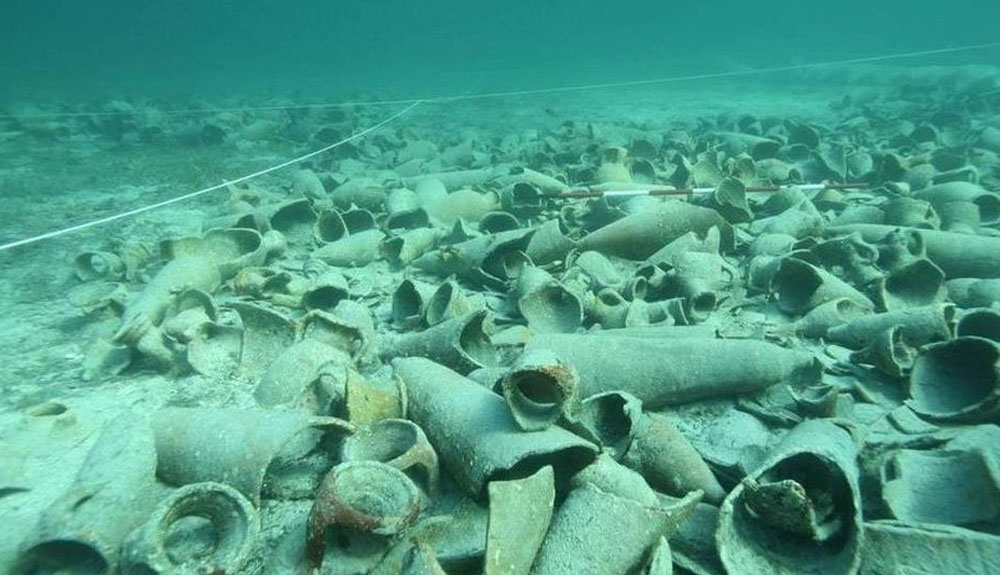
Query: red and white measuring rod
[595, 193]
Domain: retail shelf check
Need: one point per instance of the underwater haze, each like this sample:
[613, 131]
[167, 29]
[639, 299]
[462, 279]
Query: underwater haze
[439, 46]
[499, 288]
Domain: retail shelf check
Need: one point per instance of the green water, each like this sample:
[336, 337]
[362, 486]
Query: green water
[308, 48]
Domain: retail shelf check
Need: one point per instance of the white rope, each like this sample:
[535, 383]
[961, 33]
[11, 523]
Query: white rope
[143, 209]
[535, 91]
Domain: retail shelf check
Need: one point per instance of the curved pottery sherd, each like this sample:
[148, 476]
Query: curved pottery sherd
[266, 335]
[144, 313]
[594, 269]
[971, 292]
[460, 154]
[643, 171]
[669, 462]
[957, 380]
[758, 147]
[918, 326]
[449, 302]
[458, 233]
[407, 220]
[889, 353]
[464, 204]
[802, 286]
[958, 255]
[980, 322]
[229, 249]
[640, 235]
[358, 220]
[474, 433]
[409, 300]
[355, 250]
[693, 544]
[412, 556]
[98, 265]
[604, 534]
[900, 547]
[188, 311]
[325, 291]
[547, 305]
[266, 283]
[962, 217]
[859, 214]
[988, 137]
[908, 212]
[498, 221]
[485, 259]
[520, 514]
[406, 247]
[399, 443]
[800, 220]
[349, 328]
[661, 560]
[459, 343]
[682, 311]
[613, 168]
[97, 296]
[368, 401]
[400, 200]
[800, 512]
[610, 420]
[361, 498]
[134, 255]
[826, 316]
[674, 371]
[637, 287]
[113, 492]
[760, 272]
[987, 204]
[859, 165]
[698, 278]
[899, 248]
[245, 441]
[918, 283]
[457, 539]
[545, 183]
[309, 375]
[363, 192]
[539, 389]
[215, 349]
[729, 198]
[457, 179]
[952, 487]
[607, 308]
[234, 539]
[917, 177]
[775, 170]
[612, 477]
[549, 243]
[295, 221]
[708, 243]
[329, 227]
[308, 183]
[428, 189]
[853, 257]
[773, 245]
